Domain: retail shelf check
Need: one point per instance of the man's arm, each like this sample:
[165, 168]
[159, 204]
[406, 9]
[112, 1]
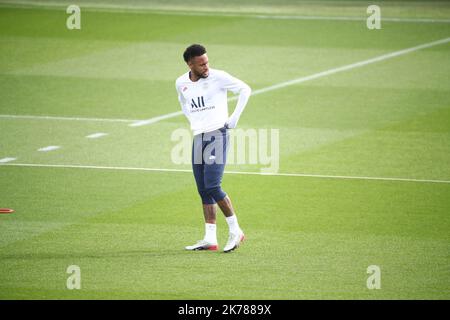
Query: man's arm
[182, 101]
[236, 86]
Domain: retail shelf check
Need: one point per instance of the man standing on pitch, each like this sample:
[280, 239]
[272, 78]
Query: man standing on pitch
[202, 93]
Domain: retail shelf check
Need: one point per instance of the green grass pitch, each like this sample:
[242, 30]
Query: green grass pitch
[308, 237]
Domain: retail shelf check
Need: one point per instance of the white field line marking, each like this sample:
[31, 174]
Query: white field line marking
[96, 135]
[310, 77]
[12, 116]
[49, 148]
[331, 18]
[229, 172]
[4, 160]
[155, 119]
[351, 66]
[102, 7]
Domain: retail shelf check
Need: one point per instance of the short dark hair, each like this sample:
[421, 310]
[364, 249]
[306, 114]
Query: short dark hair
[192, 51]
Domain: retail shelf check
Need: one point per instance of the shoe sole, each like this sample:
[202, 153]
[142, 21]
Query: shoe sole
[236, 246]
[211, 248]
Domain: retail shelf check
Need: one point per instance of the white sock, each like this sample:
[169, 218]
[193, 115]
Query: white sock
[233, 224]
[210, 233]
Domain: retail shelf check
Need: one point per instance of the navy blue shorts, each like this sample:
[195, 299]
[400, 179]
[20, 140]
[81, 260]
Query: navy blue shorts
[209, 154]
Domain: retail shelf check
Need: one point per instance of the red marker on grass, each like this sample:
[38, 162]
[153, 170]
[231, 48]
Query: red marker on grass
[6, 210]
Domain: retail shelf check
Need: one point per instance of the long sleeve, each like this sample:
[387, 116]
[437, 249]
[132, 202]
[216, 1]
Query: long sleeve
[236, 86]
[182, 102]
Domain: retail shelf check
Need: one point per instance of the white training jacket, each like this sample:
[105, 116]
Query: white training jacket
[205, 101]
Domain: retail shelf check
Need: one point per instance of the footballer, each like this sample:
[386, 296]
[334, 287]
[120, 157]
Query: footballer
[202, 93]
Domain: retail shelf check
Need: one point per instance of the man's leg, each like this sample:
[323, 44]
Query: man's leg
[226, 207]
[228, 211]
[209, 241]
[236, 234]
[213, 173]
[210, 213]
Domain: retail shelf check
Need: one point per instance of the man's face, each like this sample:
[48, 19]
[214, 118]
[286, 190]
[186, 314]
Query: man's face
[199, 66]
